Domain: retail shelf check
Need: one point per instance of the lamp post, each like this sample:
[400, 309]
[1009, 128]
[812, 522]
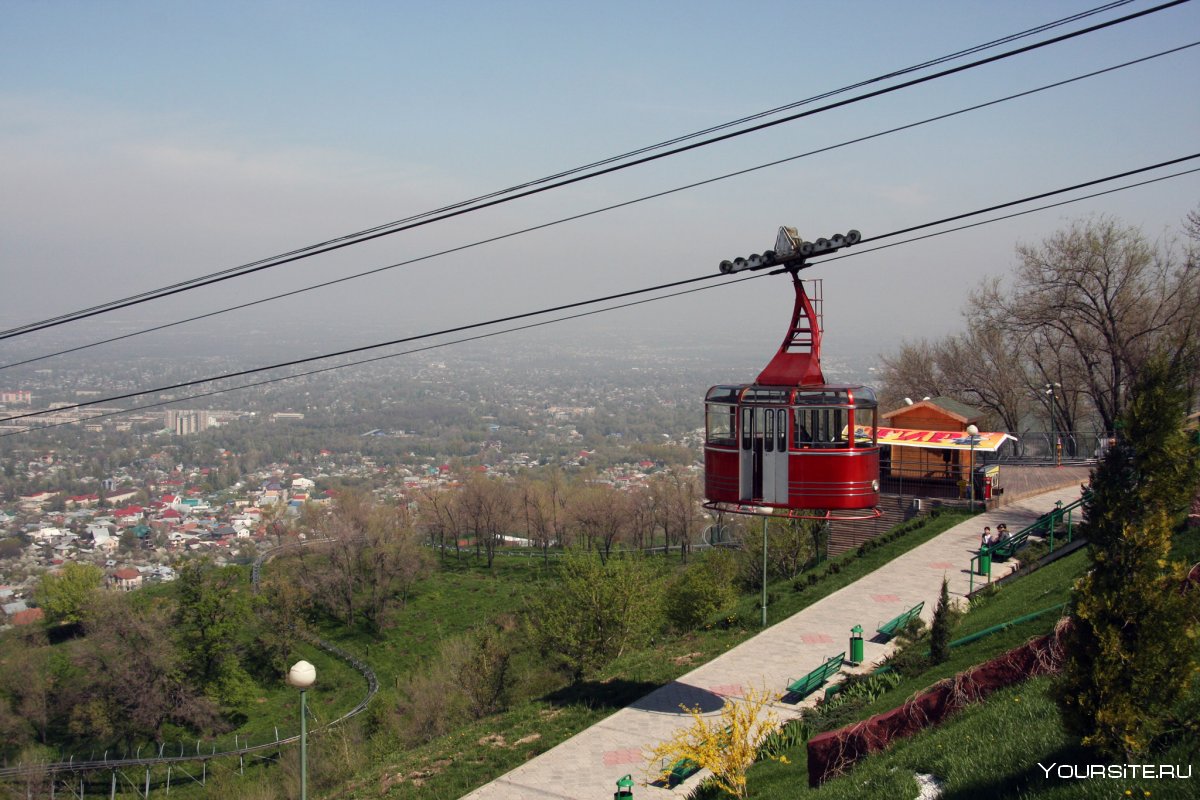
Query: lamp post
[764, 592]
[302, 675]
[973, 435]
[1055, 438]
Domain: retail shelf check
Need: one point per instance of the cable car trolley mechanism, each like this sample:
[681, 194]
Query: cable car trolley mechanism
[790, 443]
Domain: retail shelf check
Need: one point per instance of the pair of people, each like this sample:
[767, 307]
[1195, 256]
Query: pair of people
[990, 539]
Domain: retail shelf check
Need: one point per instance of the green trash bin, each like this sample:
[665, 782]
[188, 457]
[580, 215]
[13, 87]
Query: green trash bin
[856, 645]
[985, 562]
[624, 788]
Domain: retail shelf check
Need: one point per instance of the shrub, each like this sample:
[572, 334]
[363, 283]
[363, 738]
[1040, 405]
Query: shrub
[700, 592]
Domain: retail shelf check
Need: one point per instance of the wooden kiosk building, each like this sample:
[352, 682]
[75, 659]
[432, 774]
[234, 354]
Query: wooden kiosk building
[926, 451]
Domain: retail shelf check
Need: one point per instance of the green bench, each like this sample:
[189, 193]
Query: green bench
[1001, 551]
[813, 680]
[685, 768]
[897, 624]
[681, 770]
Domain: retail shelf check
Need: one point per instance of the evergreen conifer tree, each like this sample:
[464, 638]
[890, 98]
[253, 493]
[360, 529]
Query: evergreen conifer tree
[939, 632]
[1129, 652]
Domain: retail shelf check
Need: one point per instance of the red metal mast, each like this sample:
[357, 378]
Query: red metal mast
[798, 360]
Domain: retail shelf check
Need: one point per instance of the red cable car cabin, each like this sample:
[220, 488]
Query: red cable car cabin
[789, 447]
[788, 441]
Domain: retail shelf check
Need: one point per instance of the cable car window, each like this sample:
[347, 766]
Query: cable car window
[801, 434]
[824, 397]
[781, 430]
[866, 430]
[723, 394]
[864, 396]
[721, 419]
[821, 427]
[758, 394]
[747, 427]
[769, 431]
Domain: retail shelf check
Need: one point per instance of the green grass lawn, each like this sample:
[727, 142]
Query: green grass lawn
[558, 716]
[990, 750]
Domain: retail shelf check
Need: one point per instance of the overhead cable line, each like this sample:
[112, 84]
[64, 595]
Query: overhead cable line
[593, 212]
[438, 345]
[308, 249]
[566, 306]
[458, 211]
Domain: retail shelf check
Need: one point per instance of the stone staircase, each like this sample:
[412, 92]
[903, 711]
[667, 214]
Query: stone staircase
[848, 534]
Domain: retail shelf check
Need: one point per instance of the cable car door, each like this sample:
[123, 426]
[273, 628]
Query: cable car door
[764, 456]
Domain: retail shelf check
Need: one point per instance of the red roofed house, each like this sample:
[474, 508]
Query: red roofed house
[27, 617]
[126, 579]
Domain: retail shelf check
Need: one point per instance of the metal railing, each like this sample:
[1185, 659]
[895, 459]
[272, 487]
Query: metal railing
[1046, 526]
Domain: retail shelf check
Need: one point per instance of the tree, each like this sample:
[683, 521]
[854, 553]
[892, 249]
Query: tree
[27, 687]
[213, 611]
[284, 606]
[1100, 299]
[791, 545]
[479, 664]
[939, 631]
[912, 372]
[541, 506]
[595, 610]
[374, 558]
[391, 561]
[1129, 651]
[128, 541]
[703, 589]
[600, 514]
[677, 510]
[487, 506]
[131, 678]
[727, 745]
[64, 595]
[440, 516]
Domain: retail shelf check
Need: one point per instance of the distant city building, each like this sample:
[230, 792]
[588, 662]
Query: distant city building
[286, 416]
[18, 396]
[183, 423]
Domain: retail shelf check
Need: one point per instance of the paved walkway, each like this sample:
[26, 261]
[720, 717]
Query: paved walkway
[588, 765]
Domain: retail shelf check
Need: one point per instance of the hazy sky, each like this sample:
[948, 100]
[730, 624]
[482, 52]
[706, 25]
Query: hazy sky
[142, 143]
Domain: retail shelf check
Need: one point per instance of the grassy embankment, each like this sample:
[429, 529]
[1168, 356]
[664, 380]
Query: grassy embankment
[460, 596]
[991, 750]
[452, 765]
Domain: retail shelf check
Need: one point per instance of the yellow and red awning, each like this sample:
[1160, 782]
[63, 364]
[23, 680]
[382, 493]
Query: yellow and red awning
[944, 440]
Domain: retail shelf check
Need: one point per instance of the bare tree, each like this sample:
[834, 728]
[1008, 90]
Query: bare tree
[488, 509]
[984, 368]
[677, 509]
[601, 515]
[374, 558]
[132, 676]
[1067, 332]
[540, 503]
[913, 372]
[641, 518]
[1103, 297]
[440, 515]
